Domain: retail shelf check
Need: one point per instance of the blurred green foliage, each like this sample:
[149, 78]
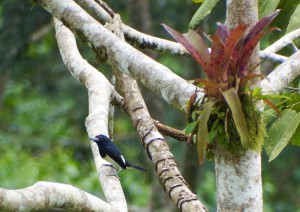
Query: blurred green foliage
[43, 109]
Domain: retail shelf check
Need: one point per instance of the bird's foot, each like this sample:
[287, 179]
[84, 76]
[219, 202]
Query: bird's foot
[115, 175]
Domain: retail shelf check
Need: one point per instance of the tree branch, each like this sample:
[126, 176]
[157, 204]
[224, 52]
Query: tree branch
[147, 41]
[282, 42]
[269, 52]
[131, 35]
[282, 75]
[156, 77]
[43, 195]
[156, 146]
[169, 131]
[100, 92]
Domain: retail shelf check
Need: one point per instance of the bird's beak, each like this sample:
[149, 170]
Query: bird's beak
[93, 139]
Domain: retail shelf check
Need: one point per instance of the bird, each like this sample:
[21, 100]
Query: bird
[108, 148]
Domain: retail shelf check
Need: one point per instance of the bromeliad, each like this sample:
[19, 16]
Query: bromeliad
[226, 113]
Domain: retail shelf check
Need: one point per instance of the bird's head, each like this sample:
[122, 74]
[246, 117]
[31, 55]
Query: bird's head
[99, 138]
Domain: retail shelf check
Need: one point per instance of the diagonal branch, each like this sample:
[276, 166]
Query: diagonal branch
[100, 92]
[156, 146]
[147, 41]
[269, 53]
[43, 195]
[156, 77]
[282, 75]
[282, 42]
[131, 35]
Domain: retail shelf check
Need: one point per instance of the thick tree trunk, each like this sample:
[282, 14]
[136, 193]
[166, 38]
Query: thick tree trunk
[239, 186]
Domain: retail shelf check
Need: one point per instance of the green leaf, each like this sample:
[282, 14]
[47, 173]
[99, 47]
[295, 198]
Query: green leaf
[215, 124]
[295, 140]
[220, 128]
[211, 135]
[256, 92]
[235, 105]
[272, 96]
[202, 130]
[281, 132]
[190, 128]
[198, 1]
[288, 9]
[294, 22]
[194, 115]
[202, 12]
[266, 7]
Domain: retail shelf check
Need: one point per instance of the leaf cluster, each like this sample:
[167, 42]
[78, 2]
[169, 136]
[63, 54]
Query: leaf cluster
[285, 129]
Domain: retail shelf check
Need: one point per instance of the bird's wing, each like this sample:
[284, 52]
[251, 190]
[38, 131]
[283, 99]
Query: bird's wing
[102, 152]
[115, 154]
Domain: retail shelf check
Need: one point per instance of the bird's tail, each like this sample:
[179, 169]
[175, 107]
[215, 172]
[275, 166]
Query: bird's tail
[136, 167]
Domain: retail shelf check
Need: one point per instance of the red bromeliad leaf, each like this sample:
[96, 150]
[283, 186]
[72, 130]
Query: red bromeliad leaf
[229, 56]
[189, 47]
[265, 21]
[190, 105]
[222, 32]
[232, 40]
[221, 53]
[248, 77]
[246, 52]
[250, 42]
[195, 39]
[217, 50]
[207, 83]
[233, 67]
[211, 88]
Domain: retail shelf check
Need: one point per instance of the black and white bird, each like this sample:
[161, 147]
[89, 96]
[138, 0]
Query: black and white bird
[107, 148]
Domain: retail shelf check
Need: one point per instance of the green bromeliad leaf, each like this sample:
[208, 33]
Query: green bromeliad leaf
[191, 127]
[203, 130]
[233, 100]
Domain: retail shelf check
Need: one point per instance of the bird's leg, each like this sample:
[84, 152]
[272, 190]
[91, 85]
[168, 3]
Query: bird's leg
[106, 164]
[117, 171]
[116, 174]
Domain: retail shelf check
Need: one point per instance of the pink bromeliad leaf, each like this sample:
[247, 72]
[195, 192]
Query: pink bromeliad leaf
[189, 47]
[222, 32]
[196, 40]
